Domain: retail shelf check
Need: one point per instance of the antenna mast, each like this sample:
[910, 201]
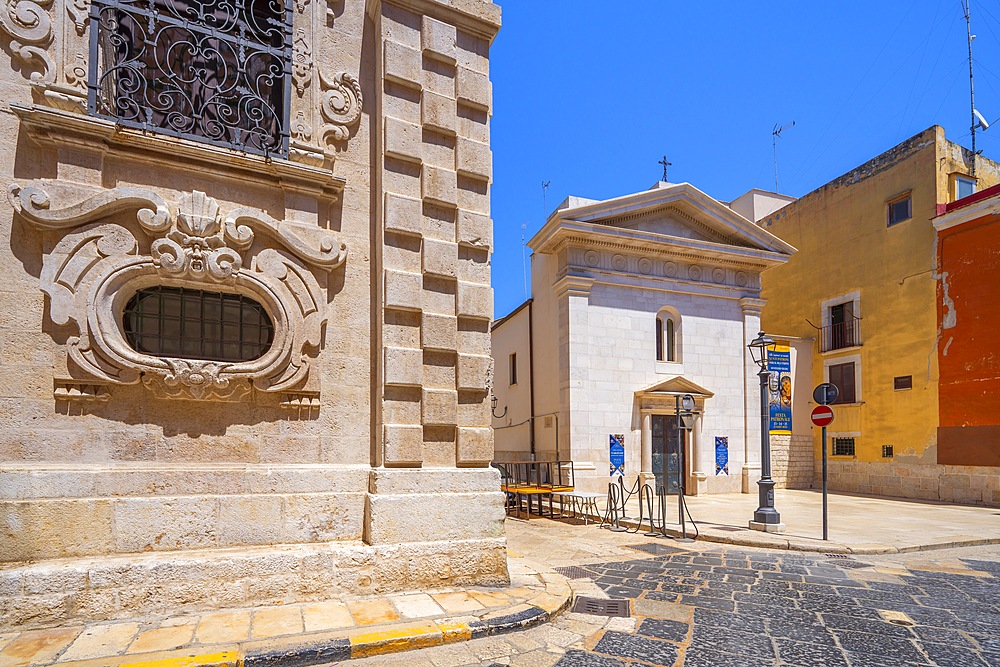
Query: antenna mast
[775, 133]
[972, 89]
[524, 264]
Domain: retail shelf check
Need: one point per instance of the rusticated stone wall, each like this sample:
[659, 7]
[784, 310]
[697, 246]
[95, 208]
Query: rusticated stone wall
[352, 457]
[978, 485]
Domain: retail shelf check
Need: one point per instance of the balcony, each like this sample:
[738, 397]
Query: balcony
[840, 335]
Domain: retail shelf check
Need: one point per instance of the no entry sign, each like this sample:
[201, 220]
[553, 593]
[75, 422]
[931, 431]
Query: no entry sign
[822, 415]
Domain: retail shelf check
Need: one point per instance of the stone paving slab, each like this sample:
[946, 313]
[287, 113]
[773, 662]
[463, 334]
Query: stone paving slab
[297, 635]
[710, 605]
[857, 523]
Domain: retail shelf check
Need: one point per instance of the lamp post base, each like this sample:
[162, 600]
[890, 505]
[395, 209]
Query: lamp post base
[767, 527]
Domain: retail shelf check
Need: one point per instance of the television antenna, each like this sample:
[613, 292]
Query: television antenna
[978, 122]
[524, 263]
[775, 134]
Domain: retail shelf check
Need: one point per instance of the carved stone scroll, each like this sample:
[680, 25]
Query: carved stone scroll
[99, 263]
[29, 26]
[340, 106]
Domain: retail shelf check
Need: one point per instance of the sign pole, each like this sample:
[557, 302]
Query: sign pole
[822, 415]
[824, 484]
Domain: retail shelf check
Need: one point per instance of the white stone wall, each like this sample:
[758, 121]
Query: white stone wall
[612, 353]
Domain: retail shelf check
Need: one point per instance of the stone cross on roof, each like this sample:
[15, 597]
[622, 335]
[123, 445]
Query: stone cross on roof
[665, 165]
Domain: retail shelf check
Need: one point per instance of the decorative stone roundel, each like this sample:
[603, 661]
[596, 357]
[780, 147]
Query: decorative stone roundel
[670, 270]
[645, 266]
[99, 265]
[592, 258]
[618, 262]
[741, 279]
[694, 272]
[719, 276]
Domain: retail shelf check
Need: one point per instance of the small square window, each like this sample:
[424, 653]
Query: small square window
[887, 451]
[902, 382]
[964, 187]
[843, 446]
[900, 209]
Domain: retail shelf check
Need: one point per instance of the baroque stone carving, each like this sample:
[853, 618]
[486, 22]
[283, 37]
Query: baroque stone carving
[29, 26]
[104, 258]
[78, 13]
[302, 62]
[340, 106]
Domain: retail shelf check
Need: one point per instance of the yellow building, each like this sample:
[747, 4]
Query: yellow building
[863, 285]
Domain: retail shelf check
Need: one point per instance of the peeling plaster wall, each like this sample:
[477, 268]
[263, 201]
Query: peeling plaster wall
[969, 260]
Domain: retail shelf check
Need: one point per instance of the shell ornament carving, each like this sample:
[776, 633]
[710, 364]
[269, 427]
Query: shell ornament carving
[98, 264]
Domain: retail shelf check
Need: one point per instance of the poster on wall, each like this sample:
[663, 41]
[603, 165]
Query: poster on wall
[779, 362]
[617, 455]
[721, 456]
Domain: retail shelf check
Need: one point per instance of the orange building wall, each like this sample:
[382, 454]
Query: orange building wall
[969, 350]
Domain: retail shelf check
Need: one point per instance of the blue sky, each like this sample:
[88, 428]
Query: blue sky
[590, 95]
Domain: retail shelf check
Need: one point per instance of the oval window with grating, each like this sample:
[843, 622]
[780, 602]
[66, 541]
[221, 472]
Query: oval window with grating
[193, 324]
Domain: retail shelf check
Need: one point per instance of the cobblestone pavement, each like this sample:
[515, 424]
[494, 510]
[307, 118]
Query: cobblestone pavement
[694, 606]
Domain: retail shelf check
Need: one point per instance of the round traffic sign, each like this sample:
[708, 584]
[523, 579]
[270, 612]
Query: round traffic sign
[822, 415]
[826, 393]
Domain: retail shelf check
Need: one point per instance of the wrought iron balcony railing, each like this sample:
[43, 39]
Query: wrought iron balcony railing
[215, 72]
[839, 335]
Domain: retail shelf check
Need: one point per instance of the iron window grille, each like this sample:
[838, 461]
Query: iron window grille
[843, 446]
[214, 71]
[193, 324]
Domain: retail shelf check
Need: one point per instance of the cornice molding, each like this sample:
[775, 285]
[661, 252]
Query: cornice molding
[674, 248]
[56, 128]
[478, 17]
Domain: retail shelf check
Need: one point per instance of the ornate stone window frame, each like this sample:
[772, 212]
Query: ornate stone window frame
[102, 260]
[51, 47]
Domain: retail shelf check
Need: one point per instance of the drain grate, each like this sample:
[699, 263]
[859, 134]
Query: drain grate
[573, 572]
[596, 607]
[655, 549]
[845, 561]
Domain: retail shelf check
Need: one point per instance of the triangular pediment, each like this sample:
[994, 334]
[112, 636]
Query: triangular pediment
[674, 386]
[677, 213]
[676, 221]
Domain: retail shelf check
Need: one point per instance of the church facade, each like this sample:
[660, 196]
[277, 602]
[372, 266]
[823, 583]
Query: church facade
[637, 301]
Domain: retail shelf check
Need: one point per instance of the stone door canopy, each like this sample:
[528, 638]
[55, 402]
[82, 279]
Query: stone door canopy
[663, 394]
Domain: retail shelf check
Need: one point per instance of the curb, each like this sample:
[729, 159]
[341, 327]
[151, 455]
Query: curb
[782, 544]
[552, 595]
[365, 643]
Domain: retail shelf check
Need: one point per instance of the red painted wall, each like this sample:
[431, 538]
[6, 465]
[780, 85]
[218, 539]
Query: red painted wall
[969, 352]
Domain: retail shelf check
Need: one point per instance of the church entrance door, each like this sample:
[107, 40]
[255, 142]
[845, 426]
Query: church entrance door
[665, 443]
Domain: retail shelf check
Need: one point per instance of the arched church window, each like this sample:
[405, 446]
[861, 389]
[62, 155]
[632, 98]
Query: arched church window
[670, 342]
[668, 336]
[659, 339]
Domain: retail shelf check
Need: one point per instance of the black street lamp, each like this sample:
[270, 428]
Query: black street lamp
[493, 408]
[766, 516]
